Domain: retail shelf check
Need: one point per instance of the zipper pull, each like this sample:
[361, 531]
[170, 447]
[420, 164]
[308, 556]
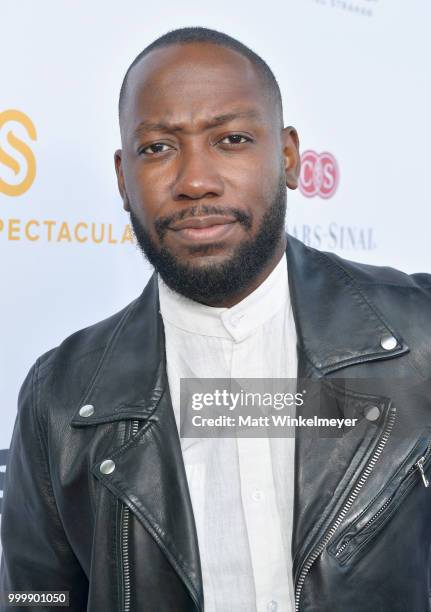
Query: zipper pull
[420, 465]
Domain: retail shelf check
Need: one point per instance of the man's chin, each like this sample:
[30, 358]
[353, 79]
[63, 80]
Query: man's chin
[204, 258]
[195, 263]
[199, 277]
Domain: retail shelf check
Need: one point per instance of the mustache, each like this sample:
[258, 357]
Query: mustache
[161, 224]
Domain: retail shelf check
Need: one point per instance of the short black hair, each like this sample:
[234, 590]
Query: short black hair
[206, 35]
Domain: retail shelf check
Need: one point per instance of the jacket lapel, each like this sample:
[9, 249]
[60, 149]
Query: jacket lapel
[130, 382]
[336, 326]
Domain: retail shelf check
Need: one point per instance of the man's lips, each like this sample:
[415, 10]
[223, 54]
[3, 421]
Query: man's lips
[204, 228]
[200, 222]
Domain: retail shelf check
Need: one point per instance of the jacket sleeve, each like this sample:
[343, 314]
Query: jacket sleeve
[36, 554]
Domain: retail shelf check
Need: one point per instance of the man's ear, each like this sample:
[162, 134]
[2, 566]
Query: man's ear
[292, 158]
[120, 179]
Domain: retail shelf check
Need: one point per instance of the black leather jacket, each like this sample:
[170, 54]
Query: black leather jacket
[126, 540]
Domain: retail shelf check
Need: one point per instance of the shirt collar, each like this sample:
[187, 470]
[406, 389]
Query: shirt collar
[235, 323]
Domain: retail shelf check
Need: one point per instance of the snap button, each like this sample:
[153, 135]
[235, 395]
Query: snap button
[372, 414]
[388, 342]
[272, 606]
[107, 466]
[86, 410]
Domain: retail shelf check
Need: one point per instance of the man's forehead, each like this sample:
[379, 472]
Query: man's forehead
[174, 60]
[185, 83]
[195, 70]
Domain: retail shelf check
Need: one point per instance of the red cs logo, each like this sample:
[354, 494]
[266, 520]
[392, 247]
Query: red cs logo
[319, 174]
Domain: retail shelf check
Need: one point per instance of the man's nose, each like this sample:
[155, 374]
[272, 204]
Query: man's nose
[197, 177]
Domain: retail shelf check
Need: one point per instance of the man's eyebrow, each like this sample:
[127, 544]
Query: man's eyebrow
[160, 126]
[226, 117]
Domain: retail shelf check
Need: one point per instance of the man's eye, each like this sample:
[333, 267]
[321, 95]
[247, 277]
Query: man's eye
[156, 147]
[234, 139]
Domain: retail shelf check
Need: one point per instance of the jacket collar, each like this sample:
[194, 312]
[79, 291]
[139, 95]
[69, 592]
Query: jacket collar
[337, 325]
[130, 378]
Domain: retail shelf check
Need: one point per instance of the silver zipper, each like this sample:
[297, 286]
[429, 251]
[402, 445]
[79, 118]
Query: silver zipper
[125, 543]
[419, 464]
[376, 516]
[353, 495]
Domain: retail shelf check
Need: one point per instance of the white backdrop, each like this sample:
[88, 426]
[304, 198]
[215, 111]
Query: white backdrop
[355, 79]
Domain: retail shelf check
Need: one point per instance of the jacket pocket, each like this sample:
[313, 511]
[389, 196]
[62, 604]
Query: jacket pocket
[412, 472]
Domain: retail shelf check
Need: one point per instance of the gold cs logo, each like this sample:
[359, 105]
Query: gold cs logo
[21, 147]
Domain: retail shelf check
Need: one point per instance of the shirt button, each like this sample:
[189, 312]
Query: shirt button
[272, 606]
[235, 319]
[257, 495]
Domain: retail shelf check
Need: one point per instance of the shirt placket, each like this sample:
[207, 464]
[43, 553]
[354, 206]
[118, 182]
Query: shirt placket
[259, 498]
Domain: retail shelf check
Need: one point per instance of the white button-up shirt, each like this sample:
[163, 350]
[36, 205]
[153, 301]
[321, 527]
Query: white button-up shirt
[241, 488]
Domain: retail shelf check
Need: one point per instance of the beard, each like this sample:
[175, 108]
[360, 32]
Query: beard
[215, 282]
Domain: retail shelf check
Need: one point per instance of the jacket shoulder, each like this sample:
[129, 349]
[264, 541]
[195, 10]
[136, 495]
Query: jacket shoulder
[92, 339]
[379, 276]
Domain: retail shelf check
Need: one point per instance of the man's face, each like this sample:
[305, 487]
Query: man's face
[204, 168]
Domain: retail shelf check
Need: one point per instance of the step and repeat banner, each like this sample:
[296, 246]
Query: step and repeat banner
[355, 79]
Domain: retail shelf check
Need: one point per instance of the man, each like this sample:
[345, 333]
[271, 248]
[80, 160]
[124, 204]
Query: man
[105, 500]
